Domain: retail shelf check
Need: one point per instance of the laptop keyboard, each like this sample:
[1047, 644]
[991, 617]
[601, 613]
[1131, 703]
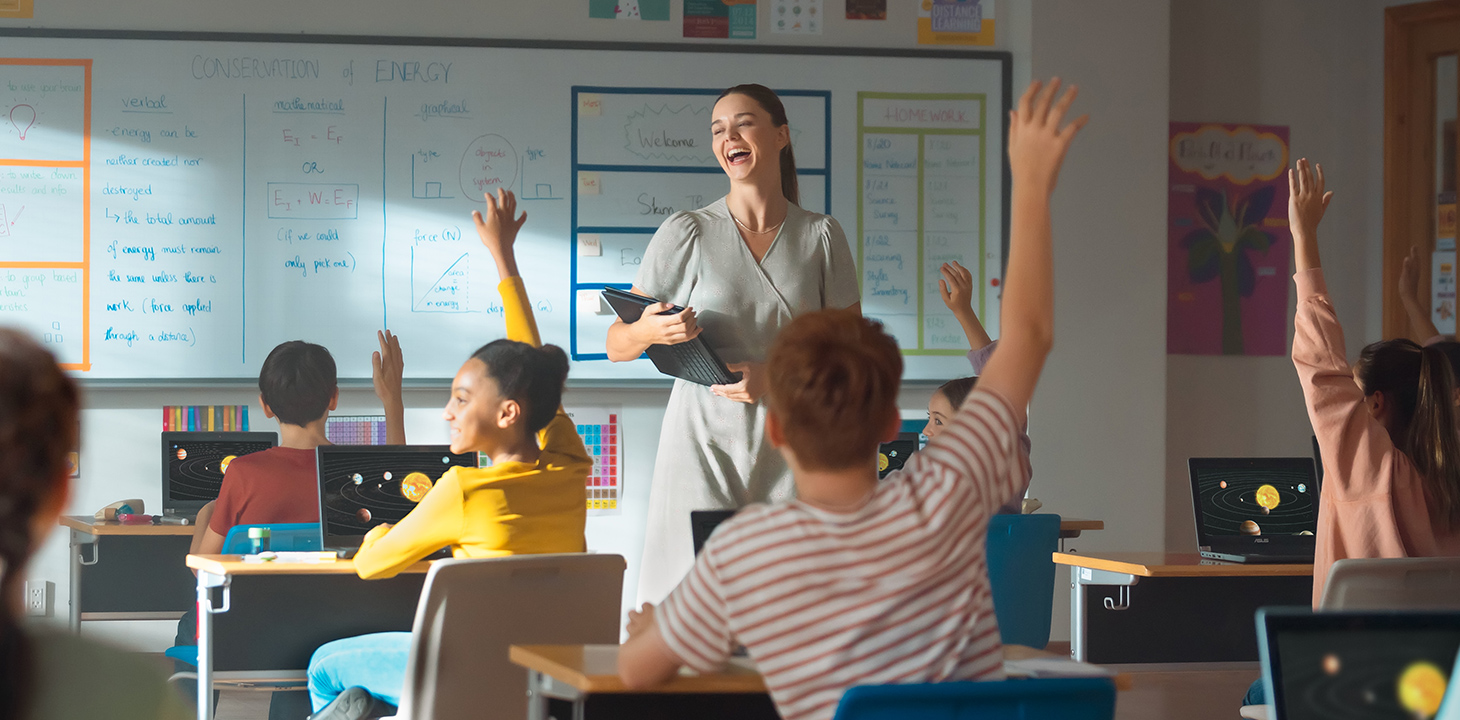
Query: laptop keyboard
[696, 362]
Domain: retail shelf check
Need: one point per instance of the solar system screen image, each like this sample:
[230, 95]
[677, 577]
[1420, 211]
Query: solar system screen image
[361, 487]
[1368, 673]
[195, 467]
[1276, 499]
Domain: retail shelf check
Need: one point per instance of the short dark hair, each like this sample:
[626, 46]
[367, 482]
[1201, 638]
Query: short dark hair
[298, 381]
[531, 376]
[957, 390]
[833, 382]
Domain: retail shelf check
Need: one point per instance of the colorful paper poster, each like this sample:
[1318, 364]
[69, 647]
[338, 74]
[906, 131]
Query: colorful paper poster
[796, 17]
[956, 22]
[734, 19]
[1442, 290]
[629, 9]
[1229, 245]
[866, 9]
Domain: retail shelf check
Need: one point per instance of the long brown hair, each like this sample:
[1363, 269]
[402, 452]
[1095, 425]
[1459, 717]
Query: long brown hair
[38, 426]
[1418, 386]
[771, 103]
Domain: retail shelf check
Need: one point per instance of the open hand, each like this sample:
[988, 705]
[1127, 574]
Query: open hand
[751, 386]
[956, 287]
[1307, 200]
[1409, 279]
[640, 620]
[652, 328]
[498, 226]
[387, 367]
[1037, 142]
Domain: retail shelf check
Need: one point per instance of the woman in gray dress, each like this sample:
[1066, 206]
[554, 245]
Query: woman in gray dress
[742, 267]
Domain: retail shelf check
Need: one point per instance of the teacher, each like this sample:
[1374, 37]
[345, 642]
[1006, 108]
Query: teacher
[743, 268]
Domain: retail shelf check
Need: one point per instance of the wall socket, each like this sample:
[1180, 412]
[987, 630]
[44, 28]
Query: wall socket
[38, 597]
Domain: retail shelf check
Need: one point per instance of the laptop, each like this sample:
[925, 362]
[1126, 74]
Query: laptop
[694, 361]
[893, 455]
[1356, 665]
[193, 464]
[1255, 510]
[361, 486]
[702, 524]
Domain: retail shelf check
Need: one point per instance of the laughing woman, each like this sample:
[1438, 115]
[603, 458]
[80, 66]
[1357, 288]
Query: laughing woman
[743, 267]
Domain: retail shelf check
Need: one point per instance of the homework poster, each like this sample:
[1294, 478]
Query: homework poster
[1228, 242]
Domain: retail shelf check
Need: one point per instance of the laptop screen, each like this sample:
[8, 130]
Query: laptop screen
[363, 486]
[193, 464]
[1346, 665]
[1251, 497]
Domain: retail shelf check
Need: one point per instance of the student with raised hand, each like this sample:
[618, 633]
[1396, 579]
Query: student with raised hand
[857, 582]
[45, 675]
[506, 402]
[956, 288]
[1391, 456]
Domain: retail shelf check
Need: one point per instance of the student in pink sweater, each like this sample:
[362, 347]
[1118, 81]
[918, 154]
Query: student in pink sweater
[1385, 426]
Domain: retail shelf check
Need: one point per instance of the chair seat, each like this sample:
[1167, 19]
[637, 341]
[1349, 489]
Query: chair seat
[183, 653]
[1254, 712]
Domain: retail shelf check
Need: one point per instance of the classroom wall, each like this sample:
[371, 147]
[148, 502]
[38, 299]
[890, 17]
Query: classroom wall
[120, 455]
[1317, 67]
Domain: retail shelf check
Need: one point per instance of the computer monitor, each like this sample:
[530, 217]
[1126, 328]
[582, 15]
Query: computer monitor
[361, 486]
[892, 455]
[702, 524]
[1356, 665]
[1253, 497]
[193, 464]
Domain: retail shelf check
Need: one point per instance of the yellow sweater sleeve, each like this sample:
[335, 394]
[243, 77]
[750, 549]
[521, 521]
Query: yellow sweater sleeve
[521, 325]
[435, 523]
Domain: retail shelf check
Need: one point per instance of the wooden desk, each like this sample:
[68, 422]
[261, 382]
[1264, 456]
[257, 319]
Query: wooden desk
[272, 616]
[127, 572]
[1070, 528]
[1189, 609]
[587, 676]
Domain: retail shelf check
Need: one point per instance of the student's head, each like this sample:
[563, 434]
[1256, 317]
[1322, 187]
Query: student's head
[1411, 391]
[750, 136]
[506, 392]
[38, 427]
[945, 403]
[833, 382]
[297, 384]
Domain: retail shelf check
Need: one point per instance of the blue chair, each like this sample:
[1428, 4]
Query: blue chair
[1021, 575]
[283, 537]
[1051, 698]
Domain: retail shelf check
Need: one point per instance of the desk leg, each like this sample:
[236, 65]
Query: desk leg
[537, 708]
[1080, 578]
[79, 541]
[206, 582]
[1077, 615]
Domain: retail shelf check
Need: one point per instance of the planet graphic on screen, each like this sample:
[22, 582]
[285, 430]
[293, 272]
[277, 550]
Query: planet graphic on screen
[357, 478]
[1222, 484]
[1331, 664]
[387, 475]
[1421, 688]
[1302, 487]
[882, 462]
[1267, 497]
[1251, 528]
[415, 486]
[363, 514]
[182, 454]
[225, 462]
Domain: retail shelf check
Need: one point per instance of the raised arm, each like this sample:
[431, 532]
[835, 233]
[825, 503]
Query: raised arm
[387, 367]
[1420, 322]
[1037, 146]
[956, 287]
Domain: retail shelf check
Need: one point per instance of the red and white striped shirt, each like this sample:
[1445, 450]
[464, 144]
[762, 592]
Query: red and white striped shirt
[895, 592]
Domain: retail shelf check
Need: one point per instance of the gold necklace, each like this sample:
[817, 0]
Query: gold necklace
[757, 232]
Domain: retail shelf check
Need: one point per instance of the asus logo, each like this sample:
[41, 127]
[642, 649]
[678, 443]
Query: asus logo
[1260, 540]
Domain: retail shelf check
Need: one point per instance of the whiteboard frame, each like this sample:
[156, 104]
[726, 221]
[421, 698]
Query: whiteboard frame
[1005, 60]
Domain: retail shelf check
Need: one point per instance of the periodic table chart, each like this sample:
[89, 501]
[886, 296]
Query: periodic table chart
[355, 429]
[599, 428]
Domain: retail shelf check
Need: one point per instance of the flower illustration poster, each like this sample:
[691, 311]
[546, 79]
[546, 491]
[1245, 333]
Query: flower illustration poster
[1228, 243]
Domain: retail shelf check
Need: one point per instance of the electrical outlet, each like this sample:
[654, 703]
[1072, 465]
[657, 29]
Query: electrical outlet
[38, 595]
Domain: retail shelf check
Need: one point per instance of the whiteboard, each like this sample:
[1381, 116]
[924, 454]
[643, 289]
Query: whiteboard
[173, 206]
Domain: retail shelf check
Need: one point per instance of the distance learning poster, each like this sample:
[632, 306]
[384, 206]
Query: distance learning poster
[734, 19]
[956, 22]
[1229, 244]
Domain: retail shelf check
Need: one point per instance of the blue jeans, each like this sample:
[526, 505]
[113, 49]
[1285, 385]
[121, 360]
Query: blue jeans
[376, 662]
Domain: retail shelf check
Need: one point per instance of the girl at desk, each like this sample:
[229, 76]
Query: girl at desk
[52, 675]
[505, 402]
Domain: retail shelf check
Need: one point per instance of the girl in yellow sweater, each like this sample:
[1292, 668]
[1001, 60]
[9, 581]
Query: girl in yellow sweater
[505, 402]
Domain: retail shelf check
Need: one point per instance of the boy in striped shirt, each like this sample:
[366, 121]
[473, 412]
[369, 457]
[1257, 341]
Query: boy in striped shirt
[858, 582]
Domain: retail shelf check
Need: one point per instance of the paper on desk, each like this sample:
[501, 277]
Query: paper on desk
[293, 557]
[1053, 667]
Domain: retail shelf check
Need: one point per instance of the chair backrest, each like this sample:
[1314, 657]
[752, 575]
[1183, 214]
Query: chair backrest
[1393, 584]
[1021, 575]
[283, 537]
[1035, 699]
[470, 612]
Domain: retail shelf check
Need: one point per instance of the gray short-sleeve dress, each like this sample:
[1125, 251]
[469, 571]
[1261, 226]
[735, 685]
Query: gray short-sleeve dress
[712, 451]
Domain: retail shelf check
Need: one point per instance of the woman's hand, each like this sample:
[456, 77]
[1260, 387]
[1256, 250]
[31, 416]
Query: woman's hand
[751, 386]
[640, 620]
[498, 230]
[1307, 201]
[653, 328]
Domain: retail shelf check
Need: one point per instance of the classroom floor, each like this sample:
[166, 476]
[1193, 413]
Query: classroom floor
[1153, 696]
